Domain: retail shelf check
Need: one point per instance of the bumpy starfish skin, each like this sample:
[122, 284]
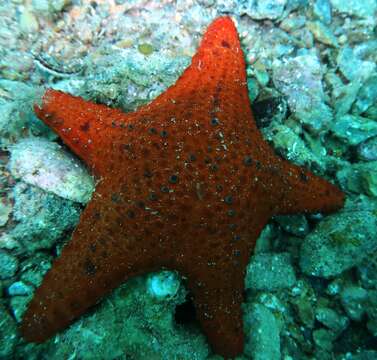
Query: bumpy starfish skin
[185, 183]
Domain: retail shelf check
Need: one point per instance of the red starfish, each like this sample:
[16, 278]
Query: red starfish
[185, 183]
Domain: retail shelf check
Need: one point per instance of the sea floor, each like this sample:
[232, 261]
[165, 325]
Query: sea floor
[311, 285]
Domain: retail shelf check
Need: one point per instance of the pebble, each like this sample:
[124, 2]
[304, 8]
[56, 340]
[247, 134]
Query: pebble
[34, 268]
[19, 288]
[331, 319]
[5, 210]
[265, 239]
[163, 285]
[324, 339]
[8, 265]
[322, 33]
[367, 150]
[262, 333]
[303, 298]
[294, 224]
[322, 11]
[28, 22]
[358, 8]
[353, 299]
[8, 242]
[289, 143]
[300, 79]
[8, 334]
[352, 67]
[270, 272]
[367, 96]
[253, 88]
[263, 9]
[49, 7]
[354, 129]
[345, 97]
[359, 178]
[367, 272]
[292, 23]
[371, 310]
[18, 306]
[45, 164]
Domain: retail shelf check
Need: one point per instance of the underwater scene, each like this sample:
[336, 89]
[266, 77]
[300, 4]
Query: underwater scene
[188, 180]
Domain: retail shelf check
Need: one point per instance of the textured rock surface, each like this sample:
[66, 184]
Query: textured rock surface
[8, 265]
[8, 334]
[263, 333]
[144, 328]
[36, 213]
[270, 272]
[338, 243]
[45, 164]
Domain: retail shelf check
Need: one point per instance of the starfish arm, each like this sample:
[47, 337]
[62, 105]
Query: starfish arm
[217, 296]
[92, 264]
[85, 127]
[303, 192]
[216, 77]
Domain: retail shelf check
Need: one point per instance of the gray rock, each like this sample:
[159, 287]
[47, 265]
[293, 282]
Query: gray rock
[253, 88]
[324, 339]
[42, 218]
[294, 224]
[339, 242]
[265, 239]
[270, 272]
[8, 334]
[8, 242]
[367, 150]
[290, 144]
[365, 8]
[322, 33]
[331, 319]
[367, 96]
[367, 272]
[45, 164]
[354, 68]
[17, 118]
[263, 9]
[262, 333]
[353, 299]
[5, 210]
[300, 79]
[359, 178]
[49, 7]
[354, 129]
[345, 97]
[8, 265]
[28, 21]
[20, 288]
[126, 79]
[18, 305]
[371, 310]
[35, 267]
[322, 11]
[163, 285]
[293, 23]
[361, 355]
[303, 298]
